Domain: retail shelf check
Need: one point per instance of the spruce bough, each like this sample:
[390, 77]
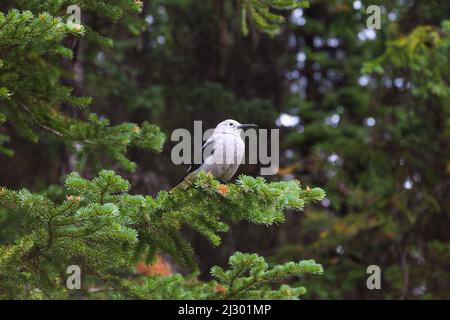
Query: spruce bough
[105, 230]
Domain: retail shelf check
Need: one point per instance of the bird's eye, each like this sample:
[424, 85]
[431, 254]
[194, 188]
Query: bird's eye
[231, 123]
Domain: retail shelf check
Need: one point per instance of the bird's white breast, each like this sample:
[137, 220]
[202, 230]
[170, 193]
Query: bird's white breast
[229, 151]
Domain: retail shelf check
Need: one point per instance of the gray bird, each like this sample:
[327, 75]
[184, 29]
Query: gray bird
[222, 153]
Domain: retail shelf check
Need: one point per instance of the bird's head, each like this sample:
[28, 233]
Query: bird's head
[232, 126]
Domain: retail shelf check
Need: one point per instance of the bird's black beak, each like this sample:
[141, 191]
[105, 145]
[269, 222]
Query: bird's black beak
[247, 126]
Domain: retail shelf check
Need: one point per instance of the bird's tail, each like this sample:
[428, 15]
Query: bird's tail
[183, 184]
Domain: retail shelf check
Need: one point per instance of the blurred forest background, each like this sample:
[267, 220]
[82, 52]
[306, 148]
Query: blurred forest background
[363, 114]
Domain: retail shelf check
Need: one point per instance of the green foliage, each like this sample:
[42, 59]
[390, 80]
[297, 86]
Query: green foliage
[424, 53]
[375, 129]
[249, 272]
[102, 228]
[96, 137]
[99, 225]
[260, 12]
[4, 138]
[249, 277]
[31, 91]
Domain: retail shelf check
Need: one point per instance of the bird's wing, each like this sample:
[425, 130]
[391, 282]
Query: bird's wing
[208, 144]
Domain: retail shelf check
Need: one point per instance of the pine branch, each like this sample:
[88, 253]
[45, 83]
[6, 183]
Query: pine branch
[31, 91]
[248, 277]
[102, 227]
[425, 48]
[262, 15]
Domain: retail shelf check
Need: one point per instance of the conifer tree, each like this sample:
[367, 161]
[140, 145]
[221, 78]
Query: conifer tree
[374, 110]
[96, 223]
[31, 91]
[102, 228]
[261, 13]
